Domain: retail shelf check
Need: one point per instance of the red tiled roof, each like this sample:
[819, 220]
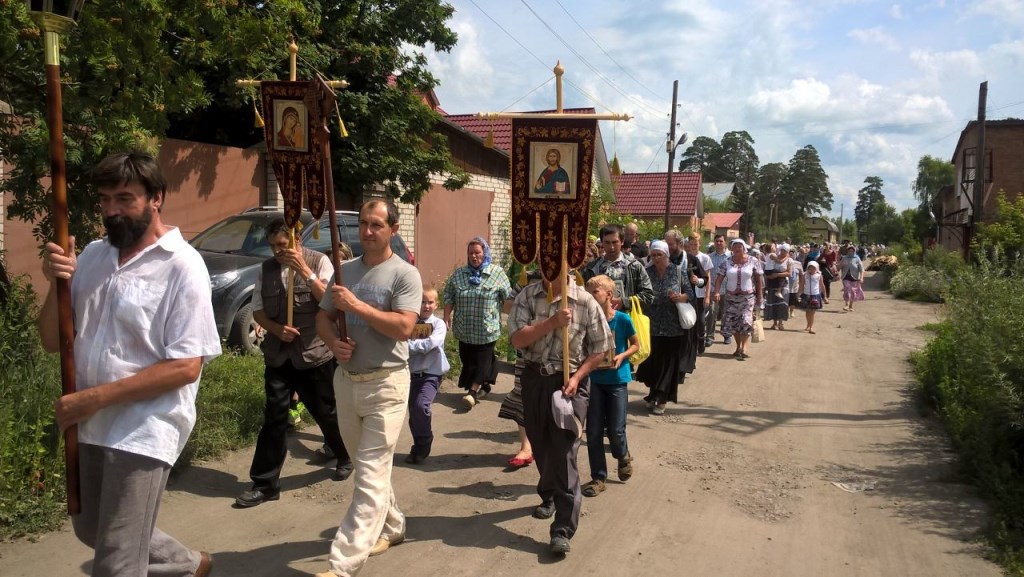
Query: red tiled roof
[643, 193]
[502, 127]
[713, 220]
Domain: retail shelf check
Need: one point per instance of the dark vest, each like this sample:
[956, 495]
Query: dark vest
[308, 350]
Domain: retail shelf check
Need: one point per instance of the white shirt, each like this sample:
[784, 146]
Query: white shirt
[155, 307]
[705, 263]
[812, 286]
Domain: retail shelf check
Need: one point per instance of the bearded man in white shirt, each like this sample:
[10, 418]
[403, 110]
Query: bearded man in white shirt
[144, 328]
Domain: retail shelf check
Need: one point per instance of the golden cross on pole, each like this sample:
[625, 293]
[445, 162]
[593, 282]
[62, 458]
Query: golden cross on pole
[564, 216]
[323, 94]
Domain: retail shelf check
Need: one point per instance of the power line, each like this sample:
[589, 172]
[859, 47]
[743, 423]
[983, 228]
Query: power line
[601, 48]
[584, 60]
[507, 33]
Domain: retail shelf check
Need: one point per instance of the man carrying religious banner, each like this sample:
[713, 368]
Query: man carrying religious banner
[144, 329]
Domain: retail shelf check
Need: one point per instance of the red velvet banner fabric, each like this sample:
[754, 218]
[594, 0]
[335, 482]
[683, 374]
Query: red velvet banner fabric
[290, 130]
[552, 167]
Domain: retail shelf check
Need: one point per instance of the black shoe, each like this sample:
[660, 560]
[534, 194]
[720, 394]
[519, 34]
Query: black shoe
[324, 453]
[559, 545]
[545, 510]
[256, 497]
[343, 471]
[416, 456]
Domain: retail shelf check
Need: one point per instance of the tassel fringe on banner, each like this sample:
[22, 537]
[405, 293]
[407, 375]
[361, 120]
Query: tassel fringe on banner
[258, 118]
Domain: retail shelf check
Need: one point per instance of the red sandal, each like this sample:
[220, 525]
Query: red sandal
[520, 462]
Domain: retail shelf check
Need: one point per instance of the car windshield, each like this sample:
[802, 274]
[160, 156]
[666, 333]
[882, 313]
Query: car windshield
[239, 235]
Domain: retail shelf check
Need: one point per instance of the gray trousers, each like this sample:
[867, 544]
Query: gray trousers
[712, 314]
[554, 449]
[120, 496]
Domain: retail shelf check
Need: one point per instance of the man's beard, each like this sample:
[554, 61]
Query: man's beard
[124, 232]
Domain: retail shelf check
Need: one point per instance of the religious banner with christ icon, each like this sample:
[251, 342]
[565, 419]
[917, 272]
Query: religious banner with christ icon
[552, 167]
[293, 148]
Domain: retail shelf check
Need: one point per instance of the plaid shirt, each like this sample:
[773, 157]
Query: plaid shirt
[476, 317]
[588, 331]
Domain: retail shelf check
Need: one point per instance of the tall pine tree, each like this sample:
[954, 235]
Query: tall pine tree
[807, 186]
[868, 198]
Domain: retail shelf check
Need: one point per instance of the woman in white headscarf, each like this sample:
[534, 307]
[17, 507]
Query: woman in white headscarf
[669, 340]
[741, 275]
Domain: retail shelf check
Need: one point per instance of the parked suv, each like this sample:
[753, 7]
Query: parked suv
[234, 249]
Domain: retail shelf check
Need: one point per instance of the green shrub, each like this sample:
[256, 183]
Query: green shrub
[925, 282]
[31, 449]
[917, 283]
[972, 374]
[229, 408]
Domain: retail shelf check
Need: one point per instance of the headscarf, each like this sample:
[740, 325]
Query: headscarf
[475, 272]
[660, 245]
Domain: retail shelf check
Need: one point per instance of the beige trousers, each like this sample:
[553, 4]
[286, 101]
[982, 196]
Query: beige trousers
[371, 415]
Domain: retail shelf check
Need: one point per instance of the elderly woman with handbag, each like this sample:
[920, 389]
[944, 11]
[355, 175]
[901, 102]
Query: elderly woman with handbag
[741, 276]
[669, 340]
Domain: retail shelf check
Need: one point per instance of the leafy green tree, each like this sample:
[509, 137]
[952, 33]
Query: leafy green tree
[885, 225]
[867, 199]
[130, 85]
[712, 204]
[704, 155]
[1005, 236]
[933, 174]
[806, 186]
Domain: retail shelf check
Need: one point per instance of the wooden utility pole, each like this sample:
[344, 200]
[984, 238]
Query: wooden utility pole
[979, 163]
[671, 146]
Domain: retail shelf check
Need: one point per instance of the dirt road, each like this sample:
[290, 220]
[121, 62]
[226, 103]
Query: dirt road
[737, 479]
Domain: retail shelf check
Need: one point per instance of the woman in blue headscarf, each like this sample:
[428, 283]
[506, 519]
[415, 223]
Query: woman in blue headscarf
[475, 293]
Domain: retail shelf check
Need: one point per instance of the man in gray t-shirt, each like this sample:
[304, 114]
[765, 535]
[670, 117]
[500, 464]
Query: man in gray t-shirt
[380, 296]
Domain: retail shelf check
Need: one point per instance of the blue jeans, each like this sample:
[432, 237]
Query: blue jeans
[607, 411]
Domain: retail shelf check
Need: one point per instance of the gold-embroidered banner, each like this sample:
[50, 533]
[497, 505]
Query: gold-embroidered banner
[293, 147]
[552, 166]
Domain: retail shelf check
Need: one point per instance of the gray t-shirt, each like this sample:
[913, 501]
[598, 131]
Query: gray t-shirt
[393, 285]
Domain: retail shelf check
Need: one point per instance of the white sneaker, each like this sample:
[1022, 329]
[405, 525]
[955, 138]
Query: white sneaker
[469, 400]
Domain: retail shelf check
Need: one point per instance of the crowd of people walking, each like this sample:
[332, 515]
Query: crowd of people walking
[363, 348]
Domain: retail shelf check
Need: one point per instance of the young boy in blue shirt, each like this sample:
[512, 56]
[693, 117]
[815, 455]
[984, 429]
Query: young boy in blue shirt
[608, 392]
[427, 364]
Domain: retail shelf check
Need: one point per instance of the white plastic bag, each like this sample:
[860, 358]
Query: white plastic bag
[687, 315]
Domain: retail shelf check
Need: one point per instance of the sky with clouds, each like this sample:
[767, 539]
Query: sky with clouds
[873, 85]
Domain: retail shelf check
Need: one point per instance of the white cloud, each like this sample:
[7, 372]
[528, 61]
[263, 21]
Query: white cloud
[939, 68]
[468, 59]
[805, 98]
[1008, 13]
[875, 37]
[790, 72]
